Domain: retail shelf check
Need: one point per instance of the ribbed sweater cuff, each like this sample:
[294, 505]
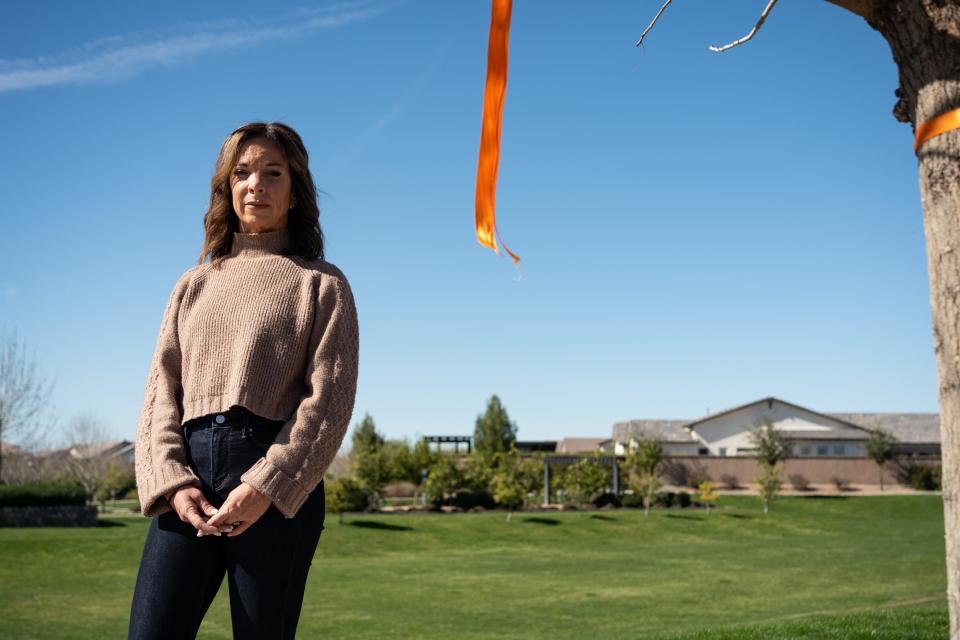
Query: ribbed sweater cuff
[169, 476]
[285, 492]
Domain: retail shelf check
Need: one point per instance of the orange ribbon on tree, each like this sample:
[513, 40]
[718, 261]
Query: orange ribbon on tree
[935, 126]
[493, 95]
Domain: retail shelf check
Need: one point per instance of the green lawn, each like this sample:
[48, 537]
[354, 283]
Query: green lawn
[856, 567]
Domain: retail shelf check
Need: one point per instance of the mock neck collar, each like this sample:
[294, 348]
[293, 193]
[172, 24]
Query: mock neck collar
[260, 244]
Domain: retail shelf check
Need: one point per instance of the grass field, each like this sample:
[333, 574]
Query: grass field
[857, 567]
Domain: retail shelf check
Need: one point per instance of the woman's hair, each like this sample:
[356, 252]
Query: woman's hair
[303, 220]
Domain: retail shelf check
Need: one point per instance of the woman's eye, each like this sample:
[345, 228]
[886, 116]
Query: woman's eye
[238, 172]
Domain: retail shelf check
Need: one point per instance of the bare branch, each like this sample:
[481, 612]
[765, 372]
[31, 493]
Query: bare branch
[752, 33]
[652, 22]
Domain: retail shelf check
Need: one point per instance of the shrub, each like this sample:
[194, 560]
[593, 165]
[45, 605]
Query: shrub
[632, 501]
[730, 481]
[842, 484]
[605, 499]
[665, 499]
[925, 477]
[467, 500]
[345, 494]
[706, 495]
[800, 482]
[42, 494]
[683, 499]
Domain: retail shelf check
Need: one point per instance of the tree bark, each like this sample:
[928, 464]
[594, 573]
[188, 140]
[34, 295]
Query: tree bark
[924, 37]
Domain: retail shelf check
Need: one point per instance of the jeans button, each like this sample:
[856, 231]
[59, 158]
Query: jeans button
[220, 419]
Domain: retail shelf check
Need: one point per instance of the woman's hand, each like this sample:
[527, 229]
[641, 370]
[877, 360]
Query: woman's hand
[244, 506]
[193, 507]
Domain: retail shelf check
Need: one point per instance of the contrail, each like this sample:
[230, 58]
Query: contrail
[115, 58]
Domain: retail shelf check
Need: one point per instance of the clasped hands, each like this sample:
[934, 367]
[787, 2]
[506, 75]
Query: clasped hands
[243, 506]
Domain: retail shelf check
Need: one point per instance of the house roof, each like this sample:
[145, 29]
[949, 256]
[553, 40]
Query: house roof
[921, 428]
[660, 430]
[905, 427]
[576, 445]
[109, 448]
[770, 400]
[8, 448]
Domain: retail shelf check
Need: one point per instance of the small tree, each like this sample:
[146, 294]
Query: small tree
[365, 437]
[769, 486]
[117, 481]
[403, 467]
[443, 479]
[706, 493]
[643, 464]
[880, 447]
[24, 397]
[507, 483]
[478, 471]
[370, 459]
[770, 449]
[493, 430]
[585, 479]
[344, 494]
[421, 459]
[373, 470]
[84, 461]
[647, 486]
[530, 471]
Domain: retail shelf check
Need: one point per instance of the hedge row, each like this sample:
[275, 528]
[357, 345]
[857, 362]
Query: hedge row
[42, 494]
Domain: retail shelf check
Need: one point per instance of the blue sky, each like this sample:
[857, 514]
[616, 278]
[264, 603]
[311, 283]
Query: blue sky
[696, 230]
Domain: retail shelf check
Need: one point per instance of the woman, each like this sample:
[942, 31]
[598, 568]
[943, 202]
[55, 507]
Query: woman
[249, 395]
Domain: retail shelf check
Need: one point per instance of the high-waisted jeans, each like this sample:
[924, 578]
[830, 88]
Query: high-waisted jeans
[266, 566]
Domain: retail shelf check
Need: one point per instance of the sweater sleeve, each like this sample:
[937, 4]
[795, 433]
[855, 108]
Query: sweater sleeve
[160, 453]
[308, 442]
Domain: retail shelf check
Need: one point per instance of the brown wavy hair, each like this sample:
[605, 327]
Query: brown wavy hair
[303, 220]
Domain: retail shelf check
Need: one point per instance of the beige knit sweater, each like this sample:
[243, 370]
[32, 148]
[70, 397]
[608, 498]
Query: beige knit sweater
[277, 334]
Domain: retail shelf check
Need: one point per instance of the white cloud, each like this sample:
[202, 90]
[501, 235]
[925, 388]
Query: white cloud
[114, 58]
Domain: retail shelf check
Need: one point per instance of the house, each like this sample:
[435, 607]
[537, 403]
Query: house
[809, 433]
[112, 449]
[585, 445]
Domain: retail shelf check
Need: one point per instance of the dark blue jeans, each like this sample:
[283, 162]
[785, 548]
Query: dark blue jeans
[266, 566]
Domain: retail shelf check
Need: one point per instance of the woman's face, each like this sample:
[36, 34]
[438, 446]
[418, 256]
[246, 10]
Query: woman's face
[260, 183]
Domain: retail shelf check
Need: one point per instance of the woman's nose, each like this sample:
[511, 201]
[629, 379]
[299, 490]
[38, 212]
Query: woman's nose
[255, 183]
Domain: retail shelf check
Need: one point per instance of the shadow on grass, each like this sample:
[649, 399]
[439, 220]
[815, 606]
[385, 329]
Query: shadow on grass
[382, 526]
[598, 516]
[677, 516]
[739, 516]
[110, 523]
[539, 520]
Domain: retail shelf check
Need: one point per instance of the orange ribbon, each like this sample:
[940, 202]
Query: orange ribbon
[935, 126]
[493, 95]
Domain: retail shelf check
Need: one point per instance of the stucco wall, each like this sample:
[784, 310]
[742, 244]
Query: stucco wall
[815, 470]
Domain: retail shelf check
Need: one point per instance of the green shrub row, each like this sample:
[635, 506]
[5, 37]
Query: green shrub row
[663, 499]
[42, 494]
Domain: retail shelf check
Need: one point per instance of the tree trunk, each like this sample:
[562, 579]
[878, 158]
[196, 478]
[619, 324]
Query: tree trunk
[924, 37]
